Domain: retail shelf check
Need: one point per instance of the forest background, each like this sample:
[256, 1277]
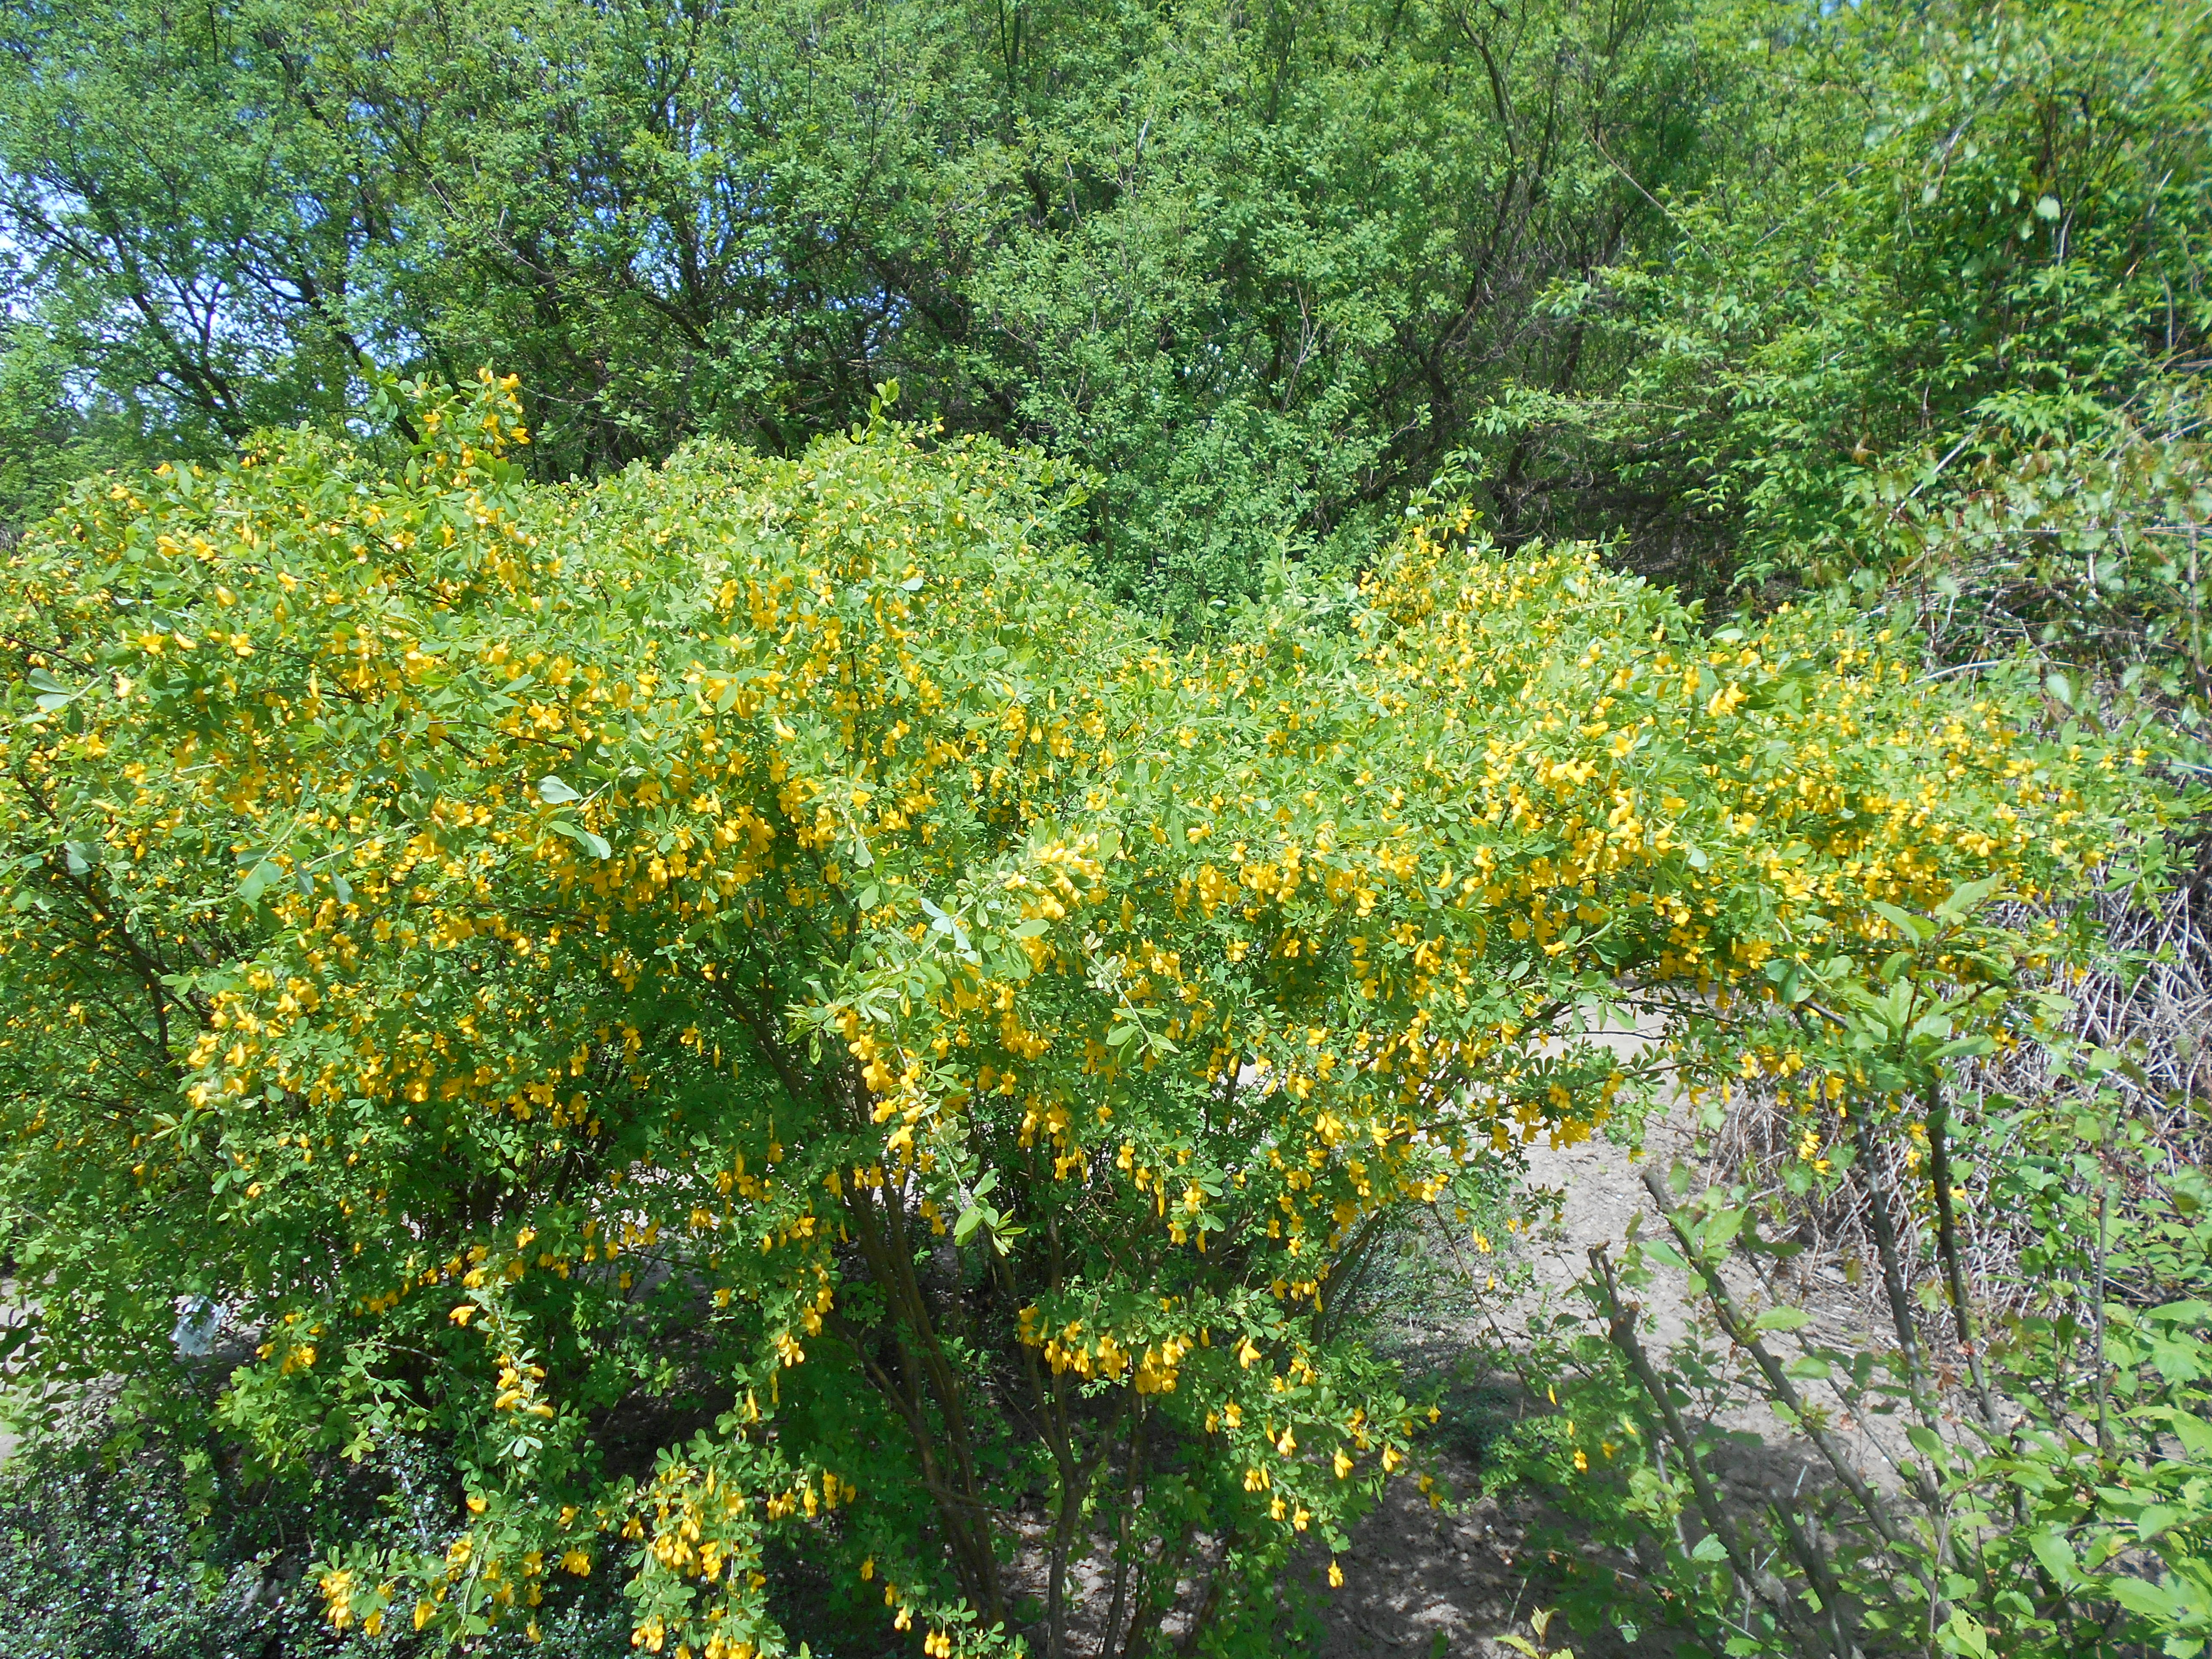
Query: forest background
[1749, 291]
[1897, 308]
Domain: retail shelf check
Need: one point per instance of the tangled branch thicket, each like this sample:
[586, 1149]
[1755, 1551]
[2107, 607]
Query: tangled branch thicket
[2150, 1001]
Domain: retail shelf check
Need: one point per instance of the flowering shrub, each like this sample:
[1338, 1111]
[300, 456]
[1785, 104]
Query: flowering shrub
[756, 949]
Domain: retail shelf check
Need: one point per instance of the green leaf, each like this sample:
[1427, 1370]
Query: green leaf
[554, 793]
[1720, 1227]
[2162, 1518]
[1978, 1044]
[53, 694]
[2194, 1433]
[1968, 896]
[2056, 1555]
[2138, 1596]
[1962, 1634]
[595, 845]
[1782, 1319]
[1915, 928]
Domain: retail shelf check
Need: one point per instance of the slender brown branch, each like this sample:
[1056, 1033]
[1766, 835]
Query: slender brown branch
[1738, 1331]
[1756, 1581]
[1947, 1247]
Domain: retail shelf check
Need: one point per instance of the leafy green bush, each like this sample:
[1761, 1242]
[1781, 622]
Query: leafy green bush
[98, 1564]
[1945, 315]
[120, 1538]
[745, 1005]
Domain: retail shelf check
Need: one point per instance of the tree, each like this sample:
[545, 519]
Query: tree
[1962, 259]
[1258, 267]
[762, 937]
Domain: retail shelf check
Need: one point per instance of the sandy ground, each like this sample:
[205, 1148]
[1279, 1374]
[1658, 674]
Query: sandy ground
[1454, 1583]
[1451, 1582]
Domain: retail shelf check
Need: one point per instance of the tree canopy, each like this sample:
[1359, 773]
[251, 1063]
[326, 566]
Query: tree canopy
[1747, 285]
[1256, 268]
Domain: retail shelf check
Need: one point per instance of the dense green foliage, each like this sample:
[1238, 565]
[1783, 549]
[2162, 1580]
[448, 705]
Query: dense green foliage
[1950, 321]
[533, 950]
[1256, 267]
[113, 1548]
[1749, 283]
[98, 1563]
[638, 1003]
